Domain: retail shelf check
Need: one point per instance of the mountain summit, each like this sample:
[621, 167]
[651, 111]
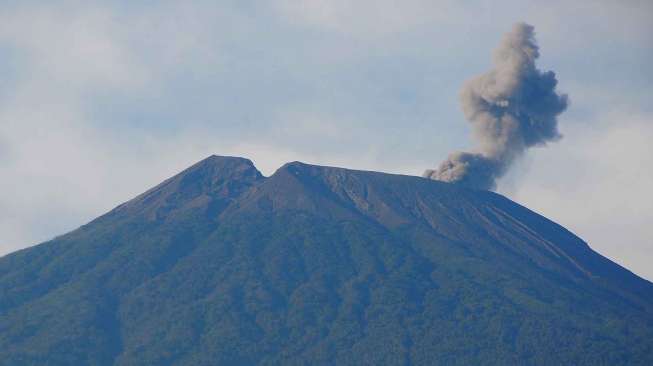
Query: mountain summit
[219, 265]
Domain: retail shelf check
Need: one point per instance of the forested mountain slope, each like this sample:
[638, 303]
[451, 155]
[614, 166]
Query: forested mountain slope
[319, 265]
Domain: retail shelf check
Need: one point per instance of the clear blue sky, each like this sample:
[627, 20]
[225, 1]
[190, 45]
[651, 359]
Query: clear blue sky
[100, 100]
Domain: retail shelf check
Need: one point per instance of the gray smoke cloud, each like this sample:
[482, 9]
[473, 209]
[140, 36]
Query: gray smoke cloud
[511, 108]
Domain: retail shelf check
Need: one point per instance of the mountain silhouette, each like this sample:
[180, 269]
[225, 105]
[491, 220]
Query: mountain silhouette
[219, 265]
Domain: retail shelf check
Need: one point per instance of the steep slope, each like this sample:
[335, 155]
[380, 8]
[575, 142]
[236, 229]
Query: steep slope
[219, 265]
[58, 300]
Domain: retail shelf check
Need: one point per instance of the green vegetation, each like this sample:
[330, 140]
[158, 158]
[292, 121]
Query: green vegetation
[314, 265]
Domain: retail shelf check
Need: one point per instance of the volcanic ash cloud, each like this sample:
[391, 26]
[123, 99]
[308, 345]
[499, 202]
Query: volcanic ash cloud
[511, 108]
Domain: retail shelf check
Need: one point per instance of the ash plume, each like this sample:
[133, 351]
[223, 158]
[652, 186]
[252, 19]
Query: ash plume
[512, 107]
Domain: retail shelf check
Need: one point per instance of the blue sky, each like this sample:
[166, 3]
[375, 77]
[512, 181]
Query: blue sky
[100, 100]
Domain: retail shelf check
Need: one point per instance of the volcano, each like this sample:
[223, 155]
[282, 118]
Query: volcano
[220, 265]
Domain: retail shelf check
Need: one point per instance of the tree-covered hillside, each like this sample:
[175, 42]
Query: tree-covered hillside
[317, 265]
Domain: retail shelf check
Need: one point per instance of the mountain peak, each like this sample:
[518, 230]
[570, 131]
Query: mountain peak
[222, 165]
[209, 184]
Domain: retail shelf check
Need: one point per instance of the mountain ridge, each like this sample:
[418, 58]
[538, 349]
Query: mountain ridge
[315, 264]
